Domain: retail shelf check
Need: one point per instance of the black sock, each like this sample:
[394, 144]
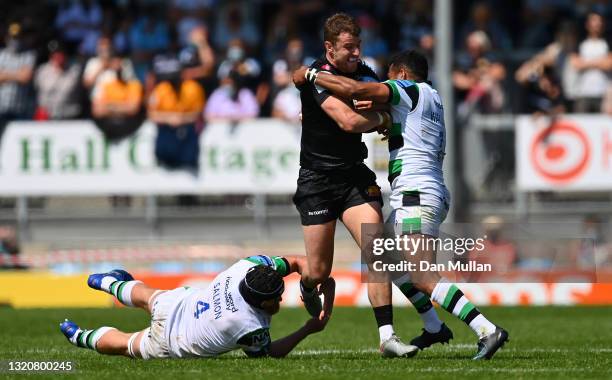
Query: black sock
[305, 288]
[383, 315]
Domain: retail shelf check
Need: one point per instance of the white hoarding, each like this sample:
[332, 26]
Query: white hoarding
[71, 158]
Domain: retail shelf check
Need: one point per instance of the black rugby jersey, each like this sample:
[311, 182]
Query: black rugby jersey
[324, 145]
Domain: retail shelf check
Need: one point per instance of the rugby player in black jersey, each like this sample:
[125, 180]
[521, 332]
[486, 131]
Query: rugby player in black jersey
[333, 182]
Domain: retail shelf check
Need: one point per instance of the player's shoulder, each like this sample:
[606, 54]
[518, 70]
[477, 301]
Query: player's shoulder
[366, 73]
[278, 263]
[321, 64]
[402, 83]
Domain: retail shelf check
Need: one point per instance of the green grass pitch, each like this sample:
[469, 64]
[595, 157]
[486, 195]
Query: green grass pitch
[545, 343]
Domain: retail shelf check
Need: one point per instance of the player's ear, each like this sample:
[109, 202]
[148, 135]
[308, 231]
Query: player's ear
[329, 47]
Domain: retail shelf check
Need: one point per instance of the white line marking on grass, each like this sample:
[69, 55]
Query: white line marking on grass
[452, 347]
[335, 351]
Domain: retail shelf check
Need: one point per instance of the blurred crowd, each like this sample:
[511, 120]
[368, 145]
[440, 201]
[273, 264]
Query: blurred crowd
[104, 58]
[180, 63]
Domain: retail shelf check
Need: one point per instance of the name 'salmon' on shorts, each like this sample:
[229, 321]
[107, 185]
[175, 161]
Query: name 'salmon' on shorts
[323, 195]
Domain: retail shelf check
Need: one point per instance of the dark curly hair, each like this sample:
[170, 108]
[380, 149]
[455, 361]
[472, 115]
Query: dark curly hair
[412, 60]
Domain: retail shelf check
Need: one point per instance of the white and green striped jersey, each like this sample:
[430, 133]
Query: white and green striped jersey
[417, 142]
[211, 321]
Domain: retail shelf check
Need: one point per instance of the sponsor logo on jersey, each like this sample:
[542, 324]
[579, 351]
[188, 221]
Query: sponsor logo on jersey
[229, 300]
[262, 338]
[373, 191]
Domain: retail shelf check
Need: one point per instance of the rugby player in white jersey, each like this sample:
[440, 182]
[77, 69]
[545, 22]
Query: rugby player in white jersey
[419, 198]
[233, 312]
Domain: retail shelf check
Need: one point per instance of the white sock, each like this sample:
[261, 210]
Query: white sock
[106, 283]
[482, 326]
[455, 302]
[421, 303]
[89, 338]
[385, 332]
[123, 291]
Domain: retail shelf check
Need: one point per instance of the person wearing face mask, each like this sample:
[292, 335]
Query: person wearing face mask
[286, 98]
[231, 101]
[56, 83]
[237, 61]
[98, 69]
[117, 104]
[16, 71]
[334, 182]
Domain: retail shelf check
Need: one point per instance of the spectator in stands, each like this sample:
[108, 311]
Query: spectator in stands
[592, 250]
[543, 93]
[236, 60]
[9, 249]
[199, 57]
[148, 36]
[76, 20]
[427, 44]
[117, 104]
[98, 69]
[372, 44]
[294, 56]
[232, 101]
[282, 25]
[188, 15]
[16, 71]
[236, 21]
[415, 22]
[286, 104]
[538, 19]
[57, 84]
[246, 70]
[594, 63]
[478, 77]
[482, 20]
[499, 251]
[175, 105]
[556, 57]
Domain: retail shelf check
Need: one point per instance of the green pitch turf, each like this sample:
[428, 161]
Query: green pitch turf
[545, 343]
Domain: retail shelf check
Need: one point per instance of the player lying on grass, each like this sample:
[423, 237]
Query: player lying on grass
[419, 197]
[233, 312]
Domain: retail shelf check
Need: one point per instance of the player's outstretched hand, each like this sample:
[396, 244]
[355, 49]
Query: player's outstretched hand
[299, 77]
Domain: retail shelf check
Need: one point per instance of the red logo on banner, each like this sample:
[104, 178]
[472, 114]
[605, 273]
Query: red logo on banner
[560, 153]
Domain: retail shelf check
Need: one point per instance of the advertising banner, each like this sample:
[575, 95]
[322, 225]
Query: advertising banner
[73, 158]
[572, 153]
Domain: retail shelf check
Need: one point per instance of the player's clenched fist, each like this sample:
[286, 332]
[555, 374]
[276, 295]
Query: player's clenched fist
[299, 76]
